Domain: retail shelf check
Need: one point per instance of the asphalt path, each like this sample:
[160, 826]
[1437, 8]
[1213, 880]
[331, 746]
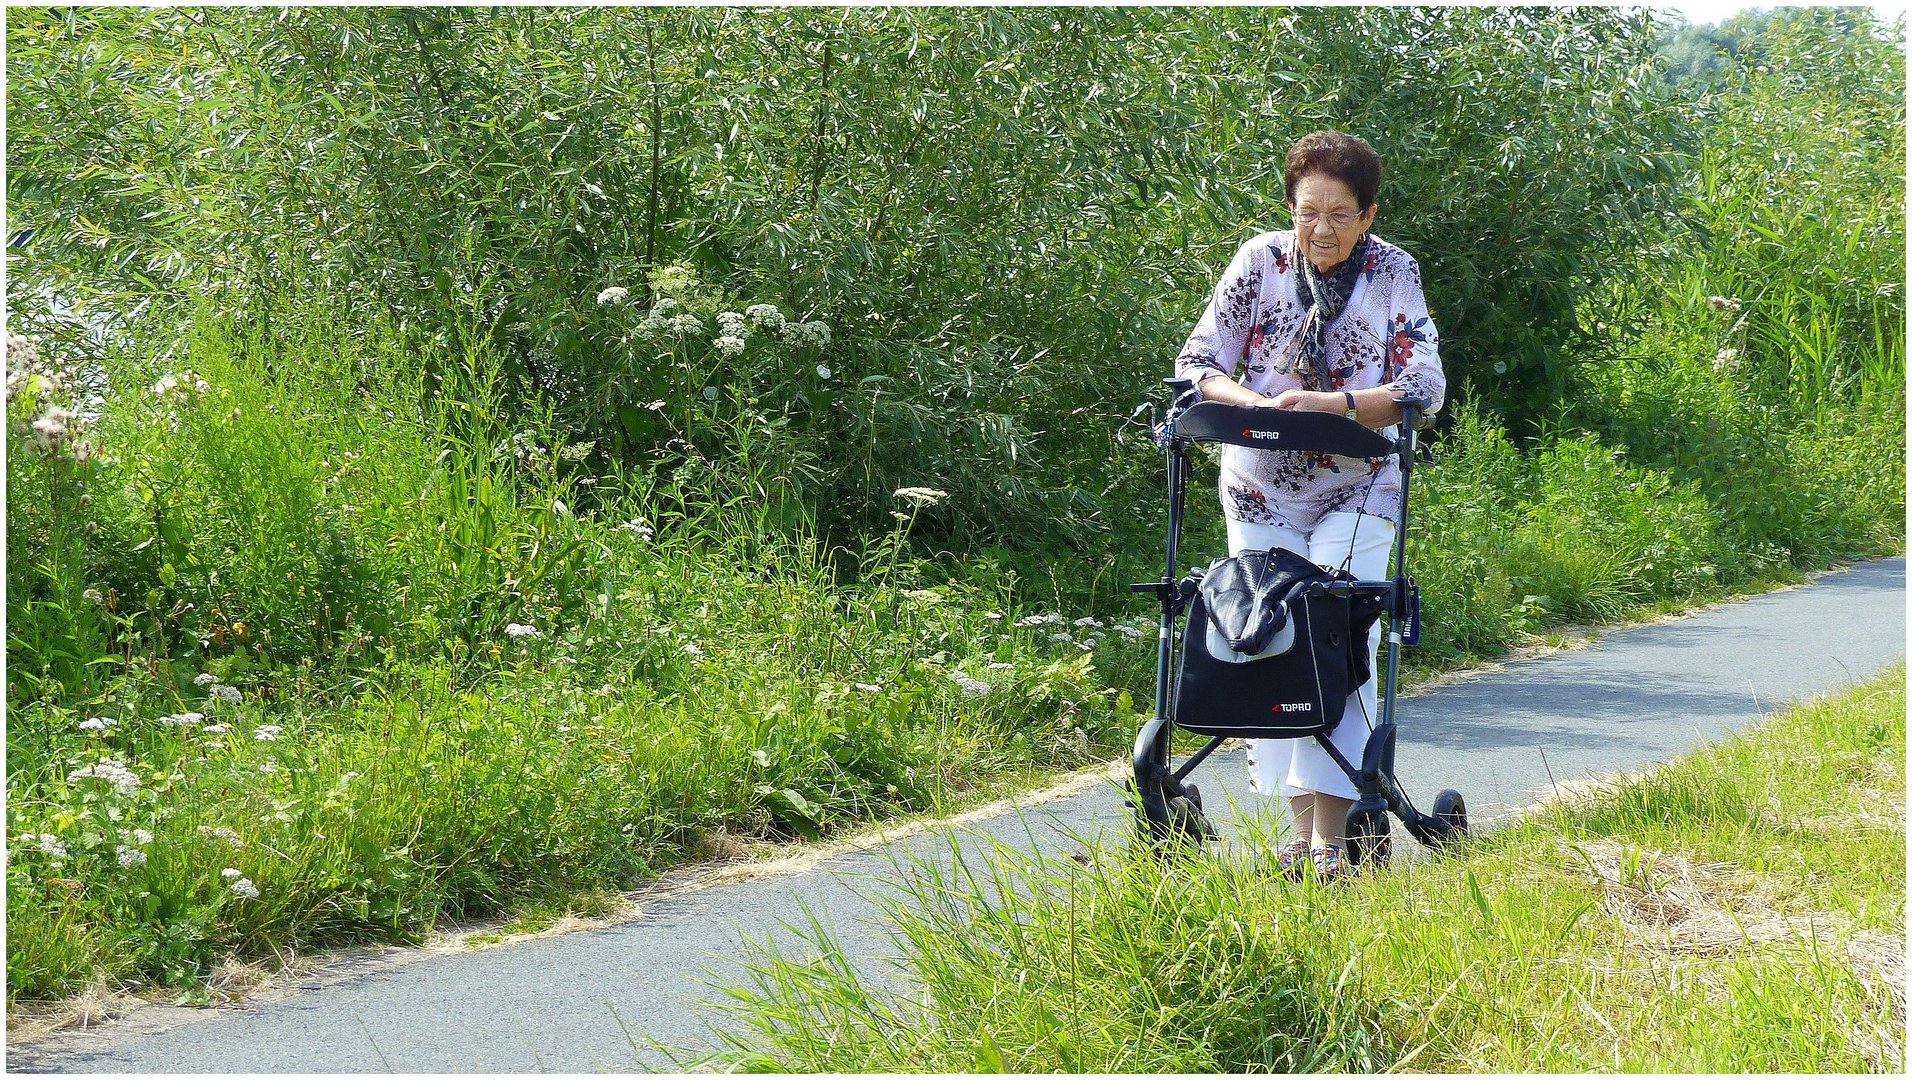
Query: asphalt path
[604, 999]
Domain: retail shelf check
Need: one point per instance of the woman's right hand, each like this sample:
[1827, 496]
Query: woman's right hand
[1229, 392]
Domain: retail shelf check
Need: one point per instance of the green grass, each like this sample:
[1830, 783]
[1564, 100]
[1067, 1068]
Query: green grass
[1737, 910]
[349, 565]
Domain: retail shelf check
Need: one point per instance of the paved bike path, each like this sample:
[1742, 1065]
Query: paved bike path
[593, 1000]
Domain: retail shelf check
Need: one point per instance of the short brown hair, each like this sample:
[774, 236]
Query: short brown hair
[1347, 158]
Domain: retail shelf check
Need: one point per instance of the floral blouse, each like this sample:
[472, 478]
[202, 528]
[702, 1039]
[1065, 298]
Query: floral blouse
[1383, 336]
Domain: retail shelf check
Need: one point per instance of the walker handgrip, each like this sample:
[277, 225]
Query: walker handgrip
[1414, 412]
[1280, 429]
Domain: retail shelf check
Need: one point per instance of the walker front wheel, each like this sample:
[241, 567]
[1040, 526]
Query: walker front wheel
[1148, 798]
[1369, 842]
[1451, 811]
[1186, 813]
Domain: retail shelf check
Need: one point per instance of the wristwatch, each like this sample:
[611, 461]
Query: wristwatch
[1350, 413]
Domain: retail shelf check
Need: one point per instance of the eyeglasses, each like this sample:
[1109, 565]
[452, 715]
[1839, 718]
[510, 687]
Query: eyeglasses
[1337, 221]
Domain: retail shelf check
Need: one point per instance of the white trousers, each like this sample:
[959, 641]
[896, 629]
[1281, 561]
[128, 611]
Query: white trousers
[1360, 544]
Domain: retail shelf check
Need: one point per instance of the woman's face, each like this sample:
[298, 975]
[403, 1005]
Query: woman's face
[1328, 219]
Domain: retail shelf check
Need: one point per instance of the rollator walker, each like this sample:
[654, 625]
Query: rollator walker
[1300, 692]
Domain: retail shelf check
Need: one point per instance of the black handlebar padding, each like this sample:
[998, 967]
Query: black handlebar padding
[1281, 429]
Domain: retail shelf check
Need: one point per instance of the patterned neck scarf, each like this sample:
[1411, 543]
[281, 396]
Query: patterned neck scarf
[1324, 297]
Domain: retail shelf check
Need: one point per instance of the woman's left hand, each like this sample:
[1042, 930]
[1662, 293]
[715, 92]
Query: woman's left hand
[1311, 401]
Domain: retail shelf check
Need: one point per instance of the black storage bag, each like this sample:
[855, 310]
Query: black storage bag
[1294, 694]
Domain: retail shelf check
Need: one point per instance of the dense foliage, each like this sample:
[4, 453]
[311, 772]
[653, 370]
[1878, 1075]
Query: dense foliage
[396, 393]
[1008, 216]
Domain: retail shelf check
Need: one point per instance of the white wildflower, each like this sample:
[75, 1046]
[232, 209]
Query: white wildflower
[1031, 620]
[899, 515]
[1130, 632]
[217, 729]
[731, 324]
[522, 630]
[205, 678]
[1722, 303]
[992, 616]
[869, 688]
[131, 856]
[51, 844]
[53, 427]
[920, 496]
[687, 324]
[1088, 621]
[267, 733]
[142, 837]
[244, 887]
[665, 307]
[765, 316]
[111, 771]
[1725, 358]
[674, 279]
[270, 767]
[220, 832]
[185, 719]
[613, 295]
[227, 694]
[1001, 666]
[96, 723]
[728, 345]
[639, 526]
[21, 350]
[971, 687]
[693, 649]
[93, 596]
[1060, 636]
[814, 334]
[170, 385]
[229, 873]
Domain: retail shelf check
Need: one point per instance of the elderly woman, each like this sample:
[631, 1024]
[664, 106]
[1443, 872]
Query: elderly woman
[1325, 317]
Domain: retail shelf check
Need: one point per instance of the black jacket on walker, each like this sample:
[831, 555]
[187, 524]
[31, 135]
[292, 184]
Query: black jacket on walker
[1296, 692]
